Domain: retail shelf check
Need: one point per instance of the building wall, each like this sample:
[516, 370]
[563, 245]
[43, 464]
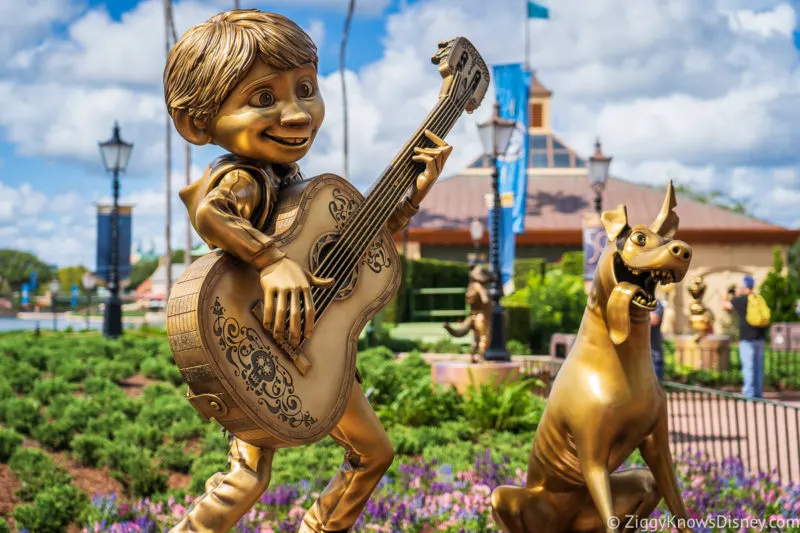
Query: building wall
[720, 266]
[459, 253]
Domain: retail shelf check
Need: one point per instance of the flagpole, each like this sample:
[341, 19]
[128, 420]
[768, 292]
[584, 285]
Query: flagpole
[526, 22]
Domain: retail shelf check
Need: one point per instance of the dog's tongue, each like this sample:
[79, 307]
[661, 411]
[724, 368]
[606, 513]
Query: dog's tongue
[618, 311]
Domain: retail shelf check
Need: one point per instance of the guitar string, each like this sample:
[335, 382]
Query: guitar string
[384, 204]
[363, 216]
[384, 200]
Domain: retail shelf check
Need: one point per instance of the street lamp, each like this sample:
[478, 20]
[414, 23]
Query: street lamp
[496, 136]
[115, 153]
[598, 175]
[55, 286]
[88, 283]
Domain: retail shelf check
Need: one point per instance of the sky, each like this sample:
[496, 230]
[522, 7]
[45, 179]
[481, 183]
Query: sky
[704, 92]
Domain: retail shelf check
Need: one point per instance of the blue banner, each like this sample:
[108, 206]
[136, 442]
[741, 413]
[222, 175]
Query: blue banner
[536, 11]
[104, 221]
[24, 298]
[512, 83]
[74, 296]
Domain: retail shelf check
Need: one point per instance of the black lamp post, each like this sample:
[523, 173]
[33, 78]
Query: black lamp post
[496, 136]
[115, 153]
[598, 175]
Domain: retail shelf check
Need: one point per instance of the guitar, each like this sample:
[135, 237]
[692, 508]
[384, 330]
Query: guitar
[259, 388]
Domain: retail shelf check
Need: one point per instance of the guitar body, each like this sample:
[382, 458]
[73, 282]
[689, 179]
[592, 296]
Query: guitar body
[236, 372]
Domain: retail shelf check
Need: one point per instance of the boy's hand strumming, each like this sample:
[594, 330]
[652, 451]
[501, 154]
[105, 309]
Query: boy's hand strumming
[285, 284]
[434, 160]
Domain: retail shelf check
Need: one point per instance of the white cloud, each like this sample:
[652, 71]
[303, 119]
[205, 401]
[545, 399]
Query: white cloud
[705, 91]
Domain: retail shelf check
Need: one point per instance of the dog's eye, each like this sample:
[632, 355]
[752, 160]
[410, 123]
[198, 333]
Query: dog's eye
[639, 238]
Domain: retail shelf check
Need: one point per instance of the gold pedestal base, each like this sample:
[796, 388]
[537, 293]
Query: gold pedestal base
[462, 374]
[709, 353]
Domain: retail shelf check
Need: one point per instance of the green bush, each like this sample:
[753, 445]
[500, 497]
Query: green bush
[10, 441]
[115, 370]
[423, 274]
[46, 390]
[22, 376]
[36, 471]
[4, 526]
[91, 450]
[184, 430]
[164, 411]
[206, 465]
[54, 435]
[138, 471]
[94, 385]
[518, 321]
[145, 436]
[53, 509]
[108, 424]
[415, 441]
[421, 404]
[160, 368]
[174, 457]
[508, 407]
[22, 414]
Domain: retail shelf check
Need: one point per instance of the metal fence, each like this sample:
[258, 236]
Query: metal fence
[764, 434]
[781, 371]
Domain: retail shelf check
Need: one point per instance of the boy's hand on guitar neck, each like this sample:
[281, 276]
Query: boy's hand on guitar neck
[286, 284]
[434, 160]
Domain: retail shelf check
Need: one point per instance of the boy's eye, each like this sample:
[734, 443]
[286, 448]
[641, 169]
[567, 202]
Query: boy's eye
[263, 99]
[305, 89]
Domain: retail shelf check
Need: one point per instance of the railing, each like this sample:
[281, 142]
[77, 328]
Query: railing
[438, 303]
[764, 434]
[781, 371]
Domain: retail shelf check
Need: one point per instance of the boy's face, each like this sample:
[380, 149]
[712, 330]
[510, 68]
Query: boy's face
[272, 115]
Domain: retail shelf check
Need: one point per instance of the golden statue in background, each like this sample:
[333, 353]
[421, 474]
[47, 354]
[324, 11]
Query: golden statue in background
[479, 321]
[700, 317]
[606, 400]
[291, 255]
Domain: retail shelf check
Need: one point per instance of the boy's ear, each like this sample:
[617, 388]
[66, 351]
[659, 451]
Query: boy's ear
[192, 129]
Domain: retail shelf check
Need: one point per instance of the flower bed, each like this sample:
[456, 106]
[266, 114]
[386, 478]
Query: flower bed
[429, 496]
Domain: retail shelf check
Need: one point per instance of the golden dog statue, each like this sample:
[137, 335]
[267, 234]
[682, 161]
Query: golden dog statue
[479, 321]
[606, 400]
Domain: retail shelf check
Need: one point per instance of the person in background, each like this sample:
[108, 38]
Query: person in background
[751, 339]
[657, 340]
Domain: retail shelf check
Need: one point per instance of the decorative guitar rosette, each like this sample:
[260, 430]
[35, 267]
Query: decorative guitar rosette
[341, 207]
[259, 369]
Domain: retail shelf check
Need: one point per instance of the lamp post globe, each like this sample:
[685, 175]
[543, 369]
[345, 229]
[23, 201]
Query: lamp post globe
[496, 134]
[598, 175]
[115, 153]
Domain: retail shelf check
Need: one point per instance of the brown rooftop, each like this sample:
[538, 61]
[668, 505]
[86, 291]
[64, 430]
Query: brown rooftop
[556, 205]
[537, 89]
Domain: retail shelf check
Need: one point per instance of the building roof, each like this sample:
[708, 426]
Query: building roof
[556, 206]
[537, 89]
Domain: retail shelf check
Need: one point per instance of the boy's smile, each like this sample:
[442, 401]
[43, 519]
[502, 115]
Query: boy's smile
[272, 115]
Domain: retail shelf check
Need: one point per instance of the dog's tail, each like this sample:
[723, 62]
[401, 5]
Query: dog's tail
[460, 329]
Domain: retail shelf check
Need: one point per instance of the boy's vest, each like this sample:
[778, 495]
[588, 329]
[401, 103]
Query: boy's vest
[268, 180]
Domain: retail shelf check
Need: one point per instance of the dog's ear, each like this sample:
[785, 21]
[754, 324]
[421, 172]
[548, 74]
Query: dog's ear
[666, 223]
[615, 222]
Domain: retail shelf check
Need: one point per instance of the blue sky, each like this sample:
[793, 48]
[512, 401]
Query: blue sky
[702, 91]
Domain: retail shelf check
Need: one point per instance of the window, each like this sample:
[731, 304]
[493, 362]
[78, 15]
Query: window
[557, 145]
[580, 163]
[537, 119]
[479, 163]
[561, 160]
[538, 142]
[539, 159]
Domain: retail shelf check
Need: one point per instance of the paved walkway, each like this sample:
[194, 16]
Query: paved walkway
[765, 435]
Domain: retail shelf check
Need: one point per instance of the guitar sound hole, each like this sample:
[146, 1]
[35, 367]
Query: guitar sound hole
[322, 249]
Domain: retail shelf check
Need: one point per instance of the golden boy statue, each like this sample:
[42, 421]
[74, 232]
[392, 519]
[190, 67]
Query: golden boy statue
[247, 81]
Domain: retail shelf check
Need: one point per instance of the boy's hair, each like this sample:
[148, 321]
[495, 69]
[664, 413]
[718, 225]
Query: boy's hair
[210, 59]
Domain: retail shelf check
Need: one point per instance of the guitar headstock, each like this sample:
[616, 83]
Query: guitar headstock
[466, 76]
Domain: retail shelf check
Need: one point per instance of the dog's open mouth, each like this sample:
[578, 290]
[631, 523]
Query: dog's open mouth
[288, 141]
[645, 280]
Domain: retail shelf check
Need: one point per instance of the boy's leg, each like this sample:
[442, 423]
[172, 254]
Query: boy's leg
[368, 456]
[230, 496]
[747, 355]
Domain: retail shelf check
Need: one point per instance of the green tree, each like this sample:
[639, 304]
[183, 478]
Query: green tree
[16, 268]
[793, 262]
[780, 291]
[716, 198]
[71, 275]
[141, 271]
